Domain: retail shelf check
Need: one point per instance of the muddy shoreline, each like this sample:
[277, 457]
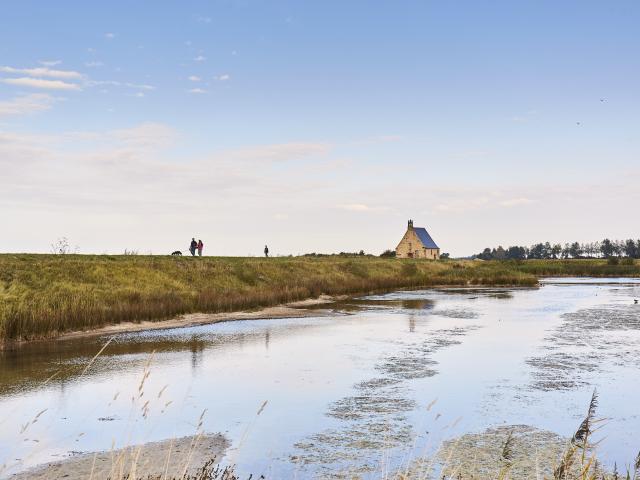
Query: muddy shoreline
[298, 309]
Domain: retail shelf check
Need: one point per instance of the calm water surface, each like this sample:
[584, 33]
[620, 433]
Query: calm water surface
[353, 391]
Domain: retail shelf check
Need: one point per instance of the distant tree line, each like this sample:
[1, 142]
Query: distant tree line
[604, 249]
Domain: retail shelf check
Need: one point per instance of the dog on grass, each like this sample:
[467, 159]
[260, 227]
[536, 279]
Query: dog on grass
[177, 252]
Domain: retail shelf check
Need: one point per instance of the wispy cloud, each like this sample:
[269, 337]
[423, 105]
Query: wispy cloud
[110, 35]
[522, 118]
[43, 72]
[461, 203]
[41, 83]
[50, 63]
[35, 102]
[467, 201]
[514, 202]
[223, 78]
[202, 19]
[362, 207]
[197, 91]
[145, 135]
[200, 58]
[278, 152]
[115, 83]
[195, 78]
[378, 139]
[355, 207]
[93, 64]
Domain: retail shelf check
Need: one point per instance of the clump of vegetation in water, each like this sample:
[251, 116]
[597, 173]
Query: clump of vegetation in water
[521, 453]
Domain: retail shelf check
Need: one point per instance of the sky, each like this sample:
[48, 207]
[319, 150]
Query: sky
[317, 126]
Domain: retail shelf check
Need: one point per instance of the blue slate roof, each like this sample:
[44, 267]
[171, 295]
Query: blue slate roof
[425, 238]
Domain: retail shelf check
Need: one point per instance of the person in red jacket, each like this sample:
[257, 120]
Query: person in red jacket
[200, 247]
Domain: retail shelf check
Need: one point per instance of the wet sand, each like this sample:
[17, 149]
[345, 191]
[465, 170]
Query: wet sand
[171, 458]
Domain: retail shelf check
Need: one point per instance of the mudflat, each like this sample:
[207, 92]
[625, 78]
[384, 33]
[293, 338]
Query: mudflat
[166, 459]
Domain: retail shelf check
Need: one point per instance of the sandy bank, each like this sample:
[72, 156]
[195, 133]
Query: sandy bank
[171, 458]
[298, 309]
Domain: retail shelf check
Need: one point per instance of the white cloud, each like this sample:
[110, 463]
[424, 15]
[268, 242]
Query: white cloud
[50, 63]
[361, 207]
[110, 35]
[147, 135]
[278, 152]
[41, 83]
[195, 78]
[461, 203]
[464, 201]
[197, 91]
[514, 202]
[200, 58]
[35, 102]
[470, 154]
[43, 72]
[223, 78]
[355, 207]
[114, 83]
[378, 139]
[522, 118]
[139, 94]
[202, 19]
[93, 64]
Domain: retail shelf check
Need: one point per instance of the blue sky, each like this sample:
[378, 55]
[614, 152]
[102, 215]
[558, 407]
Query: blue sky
[317, 126]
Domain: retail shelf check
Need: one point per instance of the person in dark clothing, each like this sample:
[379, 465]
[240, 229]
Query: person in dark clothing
[266, 251]
[193, 246]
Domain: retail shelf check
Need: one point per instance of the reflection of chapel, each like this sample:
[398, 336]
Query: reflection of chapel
[417, 243]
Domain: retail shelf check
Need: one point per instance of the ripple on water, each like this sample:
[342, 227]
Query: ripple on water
[375, 419]
[587, 342]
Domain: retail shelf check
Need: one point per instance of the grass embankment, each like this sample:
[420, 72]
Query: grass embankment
[44, 295]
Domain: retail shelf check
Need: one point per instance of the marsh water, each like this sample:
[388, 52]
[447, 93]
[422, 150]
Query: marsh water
[359, 389]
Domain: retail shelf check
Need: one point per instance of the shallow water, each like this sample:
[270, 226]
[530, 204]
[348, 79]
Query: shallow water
[363, 390]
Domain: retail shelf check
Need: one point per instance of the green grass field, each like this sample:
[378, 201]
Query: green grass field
[45, 295]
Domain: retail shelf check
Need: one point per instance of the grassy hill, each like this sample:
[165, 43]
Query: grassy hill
[44, 295]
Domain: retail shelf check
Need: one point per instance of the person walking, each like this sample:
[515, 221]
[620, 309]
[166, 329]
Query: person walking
[266, 251]
[200, 247]
[193, 246]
